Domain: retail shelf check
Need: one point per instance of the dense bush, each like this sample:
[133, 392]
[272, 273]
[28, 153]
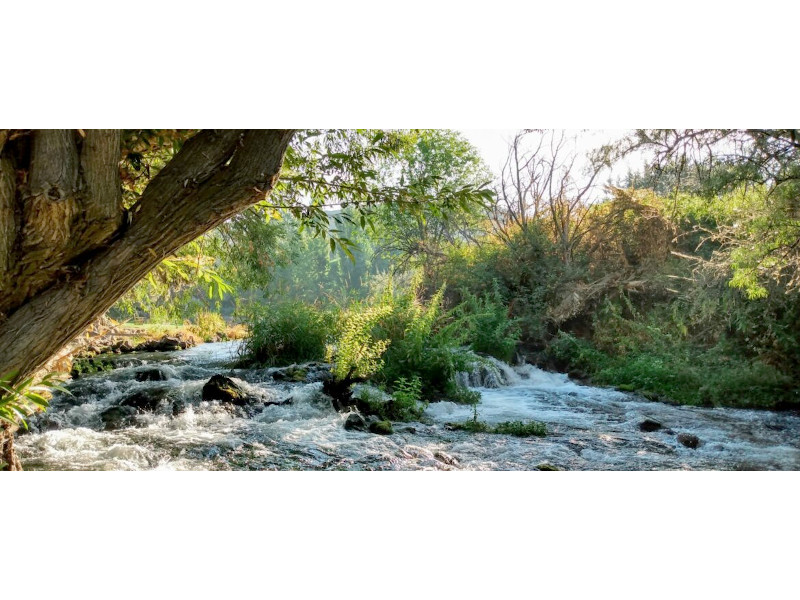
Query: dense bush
[287, 333]
[423, 344]
[410, 347]
[405, 403]
[356, 353]
[678, 373]
[208, 325]
[485, 325]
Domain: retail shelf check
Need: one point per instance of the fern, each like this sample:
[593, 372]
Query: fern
[20, 400]
[357, 354]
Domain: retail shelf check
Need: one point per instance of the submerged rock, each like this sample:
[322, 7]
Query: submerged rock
[290, 373]
[355, 422]
[289, 400]
[118, 417]
[445, 458]
[689, 440]
[649, 425]
[148, 399]
[154, 374]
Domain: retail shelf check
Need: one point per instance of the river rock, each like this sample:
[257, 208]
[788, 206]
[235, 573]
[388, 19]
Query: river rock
[154, 374]
[445, 458]
[225, 389]
[117, 417]
[381, 427]
[167, 343]
[124, 347]
[289, 400]
[148, 399]
[546, 467]
[355, 422]
[689, 440]
[649, 425]
[291, 373]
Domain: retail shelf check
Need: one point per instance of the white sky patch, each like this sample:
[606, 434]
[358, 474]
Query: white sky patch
[493, 145]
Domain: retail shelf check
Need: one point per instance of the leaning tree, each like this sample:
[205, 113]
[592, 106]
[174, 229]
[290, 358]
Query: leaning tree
[68, 246]
[84, 214]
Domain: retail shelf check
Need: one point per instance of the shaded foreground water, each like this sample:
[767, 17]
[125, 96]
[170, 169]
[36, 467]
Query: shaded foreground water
[588, 428]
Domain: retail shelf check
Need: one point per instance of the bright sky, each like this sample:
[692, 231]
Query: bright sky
[493, 146]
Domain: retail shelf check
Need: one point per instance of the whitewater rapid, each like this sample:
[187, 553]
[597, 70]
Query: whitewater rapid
[589, 428]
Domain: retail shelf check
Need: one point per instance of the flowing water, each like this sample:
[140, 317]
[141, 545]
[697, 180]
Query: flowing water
[589, 428]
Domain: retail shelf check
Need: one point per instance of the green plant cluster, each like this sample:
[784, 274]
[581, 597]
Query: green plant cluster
[410, 346]
[20, 399]
[89, 366]
[286, 333]
[485, 324]
[209, 325]
[515, 428]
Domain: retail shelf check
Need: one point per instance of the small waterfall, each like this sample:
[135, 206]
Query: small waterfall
[488, 372]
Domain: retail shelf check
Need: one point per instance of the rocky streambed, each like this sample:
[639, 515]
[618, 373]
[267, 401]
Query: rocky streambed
[188, 409]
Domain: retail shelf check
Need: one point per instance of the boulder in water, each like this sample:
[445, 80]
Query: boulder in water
[445, 458]
[689, 440]
[381, 427]
[291, 373]
[225, 389]
[117, 417]
[649, 425]
[154, 374]
[547, 467]
[355, 422]
[146, 400]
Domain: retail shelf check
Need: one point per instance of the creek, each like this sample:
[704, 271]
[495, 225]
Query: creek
[589, 428]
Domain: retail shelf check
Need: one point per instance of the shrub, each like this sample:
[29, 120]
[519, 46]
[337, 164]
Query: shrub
[471, 426]
[356, 353]
[288, 333]
[521, 429]
[208, 325]
[485, 325]
[515, 428]
[677, 372]
[461, 395]
[422, 345]
[405, 404]
[568, 351]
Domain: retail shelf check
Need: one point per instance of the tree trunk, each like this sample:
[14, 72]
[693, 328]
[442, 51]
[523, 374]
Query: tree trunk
[8, 458]
[69, 251]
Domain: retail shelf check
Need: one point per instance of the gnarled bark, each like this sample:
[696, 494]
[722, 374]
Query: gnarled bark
[8, 458]
[214, 176]
[100, 186]
[74, 253]
[8, 221]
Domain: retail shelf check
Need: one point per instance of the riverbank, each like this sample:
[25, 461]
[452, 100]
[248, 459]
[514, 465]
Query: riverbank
[94, 350]
[678, 374]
